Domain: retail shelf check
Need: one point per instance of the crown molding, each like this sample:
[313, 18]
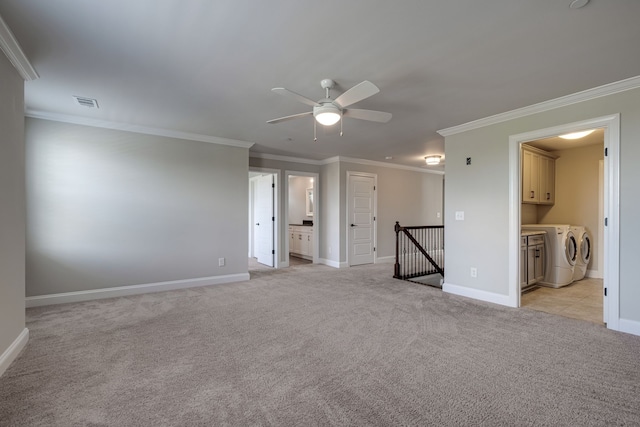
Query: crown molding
[267, 156]
[136, 129]
[586, 95]
[335, 159]
[380, 164]
[12, 49]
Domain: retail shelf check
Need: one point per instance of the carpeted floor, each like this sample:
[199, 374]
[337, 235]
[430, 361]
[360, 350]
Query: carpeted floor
[312, 345]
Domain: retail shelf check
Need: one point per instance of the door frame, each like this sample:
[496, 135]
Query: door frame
[375, 214]
[611, 269]
[276, 212]
[316, 213]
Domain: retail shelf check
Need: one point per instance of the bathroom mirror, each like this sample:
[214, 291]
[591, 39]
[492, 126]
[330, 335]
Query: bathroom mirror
[309, 200]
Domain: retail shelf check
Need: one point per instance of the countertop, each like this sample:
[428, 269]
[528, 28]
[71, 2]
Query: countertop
[531, 233]
[310, 225]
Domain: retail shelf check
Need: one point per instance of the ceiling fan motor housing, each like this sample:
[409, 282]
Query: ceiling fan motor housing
[329, 108]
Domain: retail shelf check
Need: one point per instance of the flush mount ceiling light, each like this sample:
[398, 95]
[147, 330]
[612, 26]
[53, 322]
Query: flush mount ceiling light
[577, 135]
[433, 160]
[327, 114]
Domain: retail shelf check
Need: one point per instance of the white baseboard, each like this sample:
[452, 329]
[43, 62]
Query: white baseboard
[594, 274]
[477, 294]
[121, 291]
[629, 326]
[12, 353]
[386, 259]
[330, 263]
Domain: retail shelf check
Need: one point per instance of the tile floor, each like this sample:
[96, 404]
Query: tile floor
[579, 300]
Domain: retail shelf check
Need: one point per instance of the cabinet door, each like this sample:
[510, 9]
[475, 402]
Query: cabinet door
[531, 261]
[530, 184]
[523, 266]
[538, 266]
[310, 244]
[547, 180]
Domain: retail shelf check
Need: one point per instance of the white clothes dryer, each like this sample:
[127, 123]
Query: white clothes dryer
[583, 240]
[561, 253]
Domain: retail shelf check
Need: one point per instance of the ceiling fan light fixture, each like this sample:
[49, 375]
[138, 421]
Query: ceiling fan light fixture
[577, 135]
[433, 160]
[327, 114]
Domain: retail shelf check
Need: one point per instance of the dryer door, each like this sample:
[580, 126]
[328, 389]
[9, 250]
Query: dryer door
[571, 248]
[585, 248]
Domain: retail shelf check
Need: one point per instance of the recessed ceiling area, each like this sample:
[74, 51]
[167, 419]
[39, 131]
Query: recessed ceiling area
[207, 68]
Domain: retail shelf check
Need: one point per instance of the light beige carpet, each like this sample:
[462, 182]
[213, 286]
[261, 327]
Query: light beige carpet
[312, 345]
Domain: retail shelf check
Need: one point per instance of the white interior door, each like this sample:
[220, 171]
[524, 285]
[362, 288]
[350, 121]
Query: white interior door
[264, 220]
[361, 226]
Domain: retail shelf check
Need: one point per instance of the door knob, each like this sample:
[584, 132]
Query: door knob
[353, 225]
[257, 223]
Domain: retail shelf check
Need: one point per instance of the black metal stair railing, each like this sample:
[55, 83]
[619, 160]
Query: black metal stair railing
[419, 251]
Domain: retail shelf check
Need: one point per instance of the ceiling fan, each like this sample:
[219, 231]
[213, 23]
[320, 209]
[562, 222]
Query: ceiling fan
[329, 111]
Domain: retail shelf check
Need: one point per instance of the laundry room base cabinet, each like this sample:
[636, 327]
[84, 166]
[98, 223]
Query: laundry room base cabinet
[532, 253]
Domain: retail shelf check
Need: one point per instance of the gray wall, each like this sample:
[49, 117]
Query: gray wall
[410, 197]
[12, 205]
[110, 208]
[482, 191]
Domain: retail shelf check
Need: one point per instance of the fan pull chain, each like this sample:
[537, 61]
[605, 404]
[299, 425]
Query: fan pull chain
[341, 116]
[314, 131]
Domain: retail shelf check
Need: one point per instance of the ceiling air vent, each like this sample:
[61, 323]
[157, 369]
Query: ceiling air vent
[86, 102]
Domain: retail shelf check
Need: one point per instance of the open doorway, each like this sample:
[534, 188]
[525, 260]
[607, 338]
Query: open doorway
[569, 182]
[302, 202]
[605, 234]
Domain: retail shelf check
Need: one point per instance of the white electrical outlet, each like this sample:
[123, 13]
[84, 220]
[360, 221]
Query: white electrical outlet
[220, 262]
[474, 272]
[438, 215]
[459, 215]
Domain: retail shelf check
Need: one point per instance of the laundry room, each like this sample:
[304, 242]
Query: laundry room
[562, 244]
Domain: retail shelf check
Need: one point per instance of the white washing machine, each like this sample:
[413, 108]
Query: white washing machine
[561, 253]
[583, 256]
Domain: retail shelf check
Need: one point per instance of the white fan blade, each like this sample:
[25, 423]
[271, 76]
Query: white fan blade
[294, 116]
[286, 92]
[371, 115]
[357, 93]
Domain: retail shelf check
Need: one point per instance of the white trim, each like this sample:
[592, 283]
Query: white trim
[120, 291]
[12, 353]
[335, 159]
[285, 158]
[594, 274]
[168, 133]
[331, 263]
[629, 326]
[375, 213]
[380, 164]
[386, 259]
[477, 294]
[276, 212]
[316, 211]
[12, 49]
[611, 272]
[585, 95]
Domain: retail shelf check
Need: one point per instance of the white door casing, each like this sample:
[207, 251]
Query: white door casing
[611, 272]
[361, 212]
[264, 220]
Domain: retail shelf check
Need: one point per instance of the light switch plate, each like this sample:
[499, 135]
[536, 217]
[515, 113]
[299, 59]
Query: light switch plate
[459, 215]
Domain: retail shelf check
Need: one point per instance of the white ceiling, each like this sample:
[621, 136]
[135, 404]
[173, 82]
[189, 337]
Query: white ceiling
[207, 67]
